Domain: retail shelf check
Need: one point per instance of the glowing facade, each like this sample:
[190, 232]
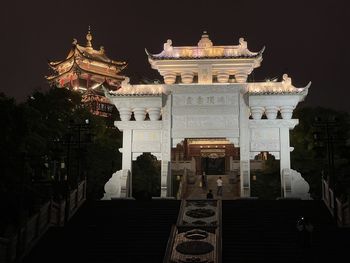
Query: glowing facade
[84, 70]
[205, 96]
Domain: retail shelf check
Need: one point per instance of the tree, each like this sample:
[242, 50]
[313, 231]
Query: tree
[308, 156]
[146, 176]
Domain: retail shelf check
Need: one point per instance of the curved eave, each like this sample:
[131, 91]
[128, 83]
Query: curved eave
[135, 95]
[276, 93]
[298, 91]
[158, 57]
[53, 64]
[120, 65]
[76, 66]
[109, 62]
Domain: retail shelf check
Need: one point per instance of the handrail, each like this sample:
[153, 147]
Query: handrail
[343, 212]
[19, 244]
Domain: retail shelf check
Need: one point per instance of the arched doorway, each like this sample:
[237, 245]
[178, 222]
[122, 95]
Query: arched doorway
[146, 176]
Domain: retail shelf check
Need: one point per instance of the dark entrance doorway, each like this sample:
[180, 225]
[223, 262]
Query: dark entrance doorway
[213, 165]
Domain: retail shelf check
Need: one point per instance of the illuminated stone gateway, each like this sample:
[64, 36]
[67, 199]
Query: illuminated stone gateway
[206, 96]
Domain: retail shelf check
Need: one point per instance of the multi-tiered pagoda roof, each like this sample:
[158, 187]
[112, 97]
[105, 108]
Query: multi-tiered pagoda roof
[85, 69]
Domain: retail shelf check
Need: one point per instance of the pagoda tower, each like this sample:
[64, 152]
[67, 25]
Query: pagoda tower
[84, 70]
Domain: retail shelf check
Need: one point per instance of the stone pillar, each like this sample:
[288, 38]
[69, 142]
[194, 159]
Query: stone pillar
[284, 148]
[284, 152]
[205, 73]
[244, 141]
[165, 183]
[127, 155]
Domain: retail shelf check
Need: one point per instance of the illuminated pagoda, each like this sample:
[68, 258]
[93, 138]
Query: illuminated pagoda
[84, 70]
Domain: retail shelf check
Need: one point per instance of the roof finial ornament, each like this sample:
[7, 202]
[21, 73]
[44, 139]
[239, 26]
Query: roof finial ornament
[89, 38]
[286, 80]
[168, 48]
[205, 42]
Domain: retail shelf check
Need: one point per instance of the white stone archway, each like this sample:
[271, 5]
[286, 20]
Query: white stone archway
[230, 108]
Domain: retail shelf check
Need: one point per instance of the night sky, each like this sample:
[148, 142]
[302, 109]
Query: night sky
[309, 40]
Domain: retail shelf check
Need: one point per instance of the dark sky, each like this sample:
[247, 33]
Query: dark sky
[309, 40]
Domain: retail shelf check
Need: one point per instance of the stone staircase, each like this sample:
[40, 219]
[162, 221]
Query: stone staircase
[135, 231]
[111, 231]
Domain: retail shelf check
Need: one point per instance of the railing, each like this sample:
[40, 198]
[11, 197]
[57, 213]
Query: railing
[16, 246]
[343, 208]
[19, 244]
[182, 185]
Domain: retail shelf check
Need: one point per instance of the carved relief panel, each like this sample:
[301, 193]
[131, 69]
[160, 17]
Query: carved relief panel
[264, 139]
[146, 141]
[206, 114]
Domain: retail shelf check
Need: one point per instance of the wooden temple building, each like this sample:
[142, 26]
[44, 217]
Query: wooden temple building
[84, 70]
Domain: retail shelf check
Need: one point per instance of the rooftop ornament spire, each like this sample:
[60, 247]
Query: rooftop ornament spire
[89, 38]
[205, 42]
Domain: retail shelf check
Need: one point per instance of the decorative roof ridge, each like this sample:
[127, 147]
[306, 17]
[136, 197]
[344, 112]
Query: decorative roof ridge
[204, 50]
[137, 90]
[283, 87]
[113, 62]
[76, 65]
[81, 49]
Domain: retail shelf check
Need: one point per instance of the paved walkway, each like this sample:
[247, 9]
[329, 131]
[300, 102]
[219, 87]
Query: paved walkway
[230, 191]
